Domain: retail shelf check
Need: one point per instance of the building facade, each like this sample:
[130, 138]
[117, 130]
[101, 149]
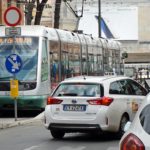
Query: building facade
[4, 4]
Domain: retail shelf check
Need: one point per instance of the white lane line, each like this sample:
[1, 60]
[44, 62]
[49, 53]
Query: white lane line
[113, 148]
[71, 148]
[31, 148]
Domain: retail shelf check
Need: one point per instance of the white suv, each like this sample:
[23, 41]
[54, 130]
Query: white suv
[93, 104]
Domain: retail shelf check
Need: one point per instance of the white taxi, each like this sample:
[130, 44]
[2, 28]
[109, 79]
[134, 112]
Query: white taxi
[138, 132]
[93, 104]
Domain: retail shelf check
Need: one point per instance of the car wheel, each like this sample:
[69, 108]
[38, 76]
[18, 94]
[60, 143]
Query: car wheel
[123, 122]
[57, 134]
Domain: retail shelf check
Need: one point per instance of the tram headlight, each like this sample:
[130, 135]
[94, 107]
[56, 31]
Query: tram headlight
[26, 86]
[29, 86]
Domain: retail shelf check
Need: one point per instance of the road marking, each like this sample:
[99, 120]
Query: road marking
[113, 148]
[71, 148]
[31, 148]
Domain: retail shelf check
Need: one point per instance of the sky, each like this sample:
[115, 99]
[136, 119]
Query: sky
[121, 21]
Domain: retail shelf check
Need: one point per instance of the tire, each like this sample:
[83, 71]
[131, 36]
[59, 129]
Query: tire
[57, 134]
[123, 122]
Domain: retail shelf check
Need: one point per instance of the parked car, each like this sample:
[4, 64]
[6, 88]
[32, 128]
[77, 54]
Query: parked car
[138, 132]
[93, 104]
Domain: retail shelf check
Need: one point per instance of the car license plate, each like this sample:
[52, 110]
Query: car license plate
[74, 107]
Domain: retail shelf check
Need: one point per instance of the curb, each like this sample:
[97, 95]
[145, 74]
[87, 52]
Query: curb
[38, 118]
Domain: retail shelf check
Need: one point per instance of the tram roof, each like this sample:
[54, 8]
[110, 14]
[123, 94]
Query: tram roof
[51, 33]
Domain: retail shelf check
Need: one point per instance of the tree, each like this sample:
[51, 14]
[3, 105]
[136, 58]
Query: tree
[29, 5]
[39, 11]
[57, 13]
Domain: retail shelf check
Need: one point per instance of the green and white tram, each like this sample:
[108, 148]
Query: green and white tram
[48, 56]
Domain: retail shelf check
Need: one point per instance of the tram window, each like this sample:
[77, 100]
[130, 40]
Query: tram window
[54, 46]
[100, 65]
[84, 60]
[44, 66]
[64, 65]
[54, 67]
[76, 65]
[64, 59]
[90, 64]
[84, 63]
[70, 47]
[77, 49]
[77, 60]
[64, 46]
[72, 64]
[95, 64]
[54, 57]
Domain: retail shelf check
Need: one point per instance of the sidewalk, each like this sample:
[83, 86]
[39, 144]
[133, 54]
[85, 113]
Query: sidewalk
[10, 122]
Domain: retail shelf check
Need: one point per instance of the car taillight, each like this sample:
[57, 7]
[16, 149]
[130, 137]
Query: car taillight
[132, 142]
[101, 101]
[51, 100]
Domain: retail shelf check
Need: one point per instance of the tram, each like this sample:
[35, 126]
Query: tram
[49, 56]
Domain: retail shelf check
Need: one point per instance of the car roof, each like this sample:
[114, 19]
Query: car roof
[147, 99]
[94, 79]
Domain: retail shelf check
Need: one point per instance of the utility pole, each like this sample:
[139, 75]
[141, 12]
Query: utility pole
[99, 18]
[75, 12]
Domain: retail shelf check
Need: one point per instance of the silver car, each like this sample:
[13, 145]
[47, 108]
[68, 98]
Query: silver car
[93, 104]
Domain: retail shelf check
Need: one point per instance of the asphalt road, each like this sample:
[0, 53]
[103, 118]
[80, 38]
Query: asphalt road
[34, 136]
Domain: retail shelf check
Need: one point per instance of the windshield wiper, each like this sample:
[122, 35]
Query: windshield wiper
[6, 78]
[67, 94]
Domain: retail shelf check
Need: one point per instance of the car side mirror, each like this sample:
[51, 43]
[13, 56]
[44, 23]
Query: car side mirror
[127, 126]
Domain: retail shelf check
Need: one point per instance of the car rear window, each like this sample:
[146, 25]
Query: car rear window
[145, 118]
[79, 89]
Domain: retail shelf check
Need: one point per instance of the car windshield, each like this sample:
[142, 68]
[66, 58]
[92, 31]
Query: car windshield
[78, 89]
[27, 49]
[145, 118]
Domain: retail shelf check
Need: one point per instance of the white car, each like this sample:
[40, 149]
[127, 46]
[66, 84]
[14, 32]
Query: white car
[93, 104]
[138, 133]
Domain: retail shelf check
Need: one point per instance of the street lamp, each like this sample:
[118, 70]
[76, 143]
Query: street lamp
[99, 18]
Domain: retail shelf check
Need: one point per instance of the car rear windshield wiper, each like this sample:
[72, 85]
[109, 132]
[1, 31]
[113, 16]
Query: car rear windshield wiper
[67, 94]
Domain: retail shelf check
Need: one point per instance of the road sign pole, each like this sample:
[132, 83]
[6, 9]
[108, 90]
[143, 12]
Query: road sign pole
[15, 108]
[15, 98]
[12, 17]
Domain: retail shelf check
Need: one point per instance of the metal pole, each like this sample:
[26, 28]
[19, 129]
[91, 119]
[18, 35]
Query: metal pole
[15, 99]
[99, 18]
[15, 103]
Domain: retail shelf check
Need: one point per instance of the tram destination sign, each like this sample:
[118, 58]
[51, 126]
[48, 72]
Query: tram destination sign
[12, 31]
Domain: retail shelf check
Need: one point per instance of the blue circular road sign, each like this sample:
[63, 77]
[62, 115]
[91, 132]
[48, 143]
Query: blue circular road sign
[13, 63]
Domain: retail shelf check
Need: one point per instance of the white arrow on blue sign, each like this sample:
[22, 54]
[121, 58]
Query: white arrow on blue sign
[13, 63]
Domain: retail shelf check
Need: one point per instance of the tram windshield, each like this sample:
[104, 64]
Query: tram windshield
[27, 49]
